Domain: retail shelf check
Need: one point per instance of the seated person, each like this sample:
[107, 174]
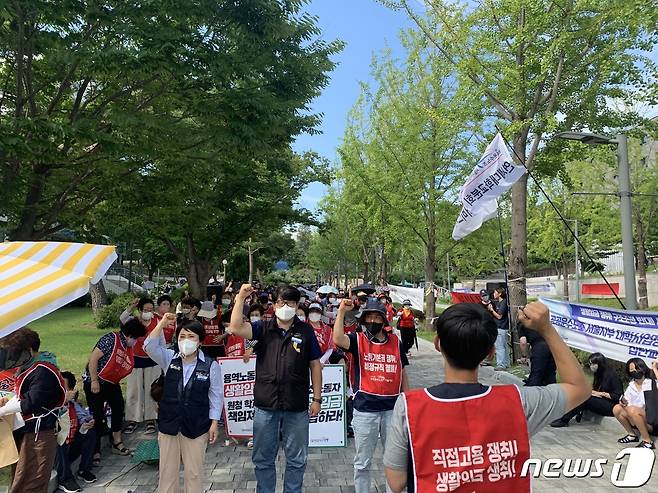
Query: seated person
[606, 391]
[81, 441]
[630, 411]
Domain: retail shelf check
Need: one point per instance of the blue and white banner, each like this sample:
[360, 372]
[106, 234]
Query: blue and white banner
[618, 334]
[494, 174]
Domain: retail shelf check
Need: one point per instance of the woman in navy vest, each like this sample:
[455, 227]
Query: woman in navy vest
[190, 406]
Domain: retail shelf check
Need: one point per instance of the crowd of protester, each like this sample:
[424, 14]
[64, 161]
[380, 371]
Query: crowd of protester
[167, 351]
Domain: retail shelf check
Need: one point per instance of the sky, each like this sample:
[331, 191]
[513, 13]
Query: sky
[366, 27]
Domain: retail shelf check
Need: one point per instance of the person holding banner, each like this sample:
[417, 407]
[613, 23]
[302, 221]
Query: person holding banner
[477, 435]
[379, 378]
[190, 406]
[286, 350]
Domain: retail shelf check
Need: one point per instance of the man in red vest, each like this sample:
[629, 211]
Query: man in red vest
[379, 378]
[477, 439]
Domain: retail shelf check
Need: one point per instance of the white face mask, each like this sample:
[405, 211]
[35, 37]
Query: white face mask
[332, 300]
[285, 313]
[255, 318]
[314, 317]
[187, 346]
[185, 311]
[147, 316]
[302, 317]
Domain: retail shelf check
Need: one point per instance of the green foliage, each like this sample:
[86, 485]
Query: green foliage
[108, 316]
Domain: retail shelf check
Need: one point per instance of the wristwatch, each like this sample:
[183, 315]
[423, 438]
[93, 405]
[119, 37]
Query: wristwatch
[319, 401]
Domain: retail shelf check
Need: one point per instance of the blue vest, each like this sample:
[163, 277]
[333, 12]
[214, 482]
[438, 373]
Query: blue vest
[185, 409]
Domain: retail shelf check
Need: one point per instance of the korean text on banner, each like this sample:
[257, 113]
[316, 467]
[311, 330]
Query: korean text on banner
[617, 334]
[238, 380]
[328, 429]
[493, 175]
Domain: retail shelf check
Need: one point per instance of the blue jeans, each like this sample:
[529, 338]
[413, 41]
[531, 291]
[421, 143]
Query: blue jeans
[293, 427]
[368, 427]
[502, 356]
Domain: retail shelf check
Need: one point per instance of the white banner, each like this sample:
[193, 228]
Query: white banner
[494, 174]
[617, 334]
[238, 380]
[415, 295]
[328, 429]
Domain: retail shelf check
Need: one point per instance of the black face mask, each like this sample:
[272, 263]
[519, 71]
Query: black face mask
[13, 358]
[637, 374]
[373, 329]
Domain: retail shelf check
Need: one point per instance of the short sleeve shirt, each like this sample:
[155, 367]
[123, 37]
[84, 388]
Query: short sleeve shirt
[541, 405]
[364, 402]
[106, 345]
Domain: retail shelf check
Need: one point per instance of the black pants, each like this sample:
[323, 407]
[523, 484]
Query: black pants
[408, 338]
[542, 366]
[597, 405]
[110, 393]
[82, 446]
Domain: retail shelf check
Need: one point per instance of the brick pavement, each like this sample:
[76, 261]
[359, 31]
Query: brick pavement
[229, 469]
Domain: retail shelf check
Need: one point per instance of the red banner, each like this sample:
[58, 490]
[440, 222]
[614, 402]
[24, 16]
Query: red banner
[465, 297]
[599, 289]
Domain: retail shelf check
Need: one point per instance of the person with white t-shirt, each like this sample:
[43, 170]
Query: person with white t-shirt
[631, 410]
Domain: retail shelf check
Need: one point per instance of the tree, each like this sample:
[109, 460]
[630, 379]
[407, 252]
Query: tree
[79, 84]
[531, 61]
[408, 146]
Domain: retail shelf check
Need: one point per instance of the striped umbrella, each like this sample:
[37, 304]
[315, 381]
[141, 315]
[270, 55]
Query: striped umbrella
[37, 278]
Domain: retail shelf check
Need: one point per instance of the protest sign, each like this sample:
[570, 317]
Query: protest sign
[328, 429]
[238, 380]
[618, 334]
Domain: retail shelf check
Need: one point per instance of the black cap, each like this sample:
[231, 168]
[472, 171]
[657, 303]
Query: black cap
[373, 306]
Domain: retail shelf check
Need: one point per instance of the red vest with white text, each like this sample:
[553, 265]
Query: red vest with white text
[380, 367]
[20, 392]
[472, 445]
[120, 364]
[235, 346]
[214, 331]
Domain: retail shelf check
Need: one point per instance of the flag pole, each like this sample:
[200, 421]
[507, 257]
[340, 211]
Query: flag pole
[557, 211]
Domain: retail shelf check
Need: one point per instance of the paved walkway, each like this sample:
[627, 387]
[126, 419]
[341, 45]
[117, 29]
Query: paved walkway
[229, 469]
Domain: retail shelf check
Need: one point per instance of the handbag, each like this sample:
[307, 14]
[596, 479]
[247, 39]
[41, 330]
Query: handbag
[157, 388]
[651, 405]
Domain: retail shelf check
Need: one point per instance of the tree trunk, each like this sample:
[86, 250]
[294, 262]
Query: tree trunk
[642, 295]
[98, 296]
[430, 273]
[519, 246]
[198, 272]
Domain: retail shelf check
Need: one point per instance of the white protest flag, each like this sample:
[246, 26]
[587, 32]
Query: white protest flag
[494, 174]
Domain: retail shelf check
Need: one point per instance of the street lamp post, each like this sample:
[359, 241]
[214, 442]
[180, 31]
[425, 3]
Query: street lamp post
[625, 209]
[224, 262]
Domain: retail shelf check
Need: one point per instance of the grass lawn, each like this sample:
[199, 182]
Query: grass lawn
[71, 334]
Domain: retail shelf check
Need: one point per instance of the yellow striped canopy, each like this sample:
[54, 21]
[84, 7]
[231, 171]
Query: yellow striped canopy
[37, 278]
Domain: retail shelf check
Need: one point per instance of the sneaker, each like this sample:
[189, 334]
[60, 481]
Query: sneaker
[87, 476]
[644, 444]
[70, 486]
[559, 423]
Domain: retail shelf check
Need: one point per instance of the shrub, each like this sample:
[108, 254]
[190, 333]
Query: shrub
[108, 316]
